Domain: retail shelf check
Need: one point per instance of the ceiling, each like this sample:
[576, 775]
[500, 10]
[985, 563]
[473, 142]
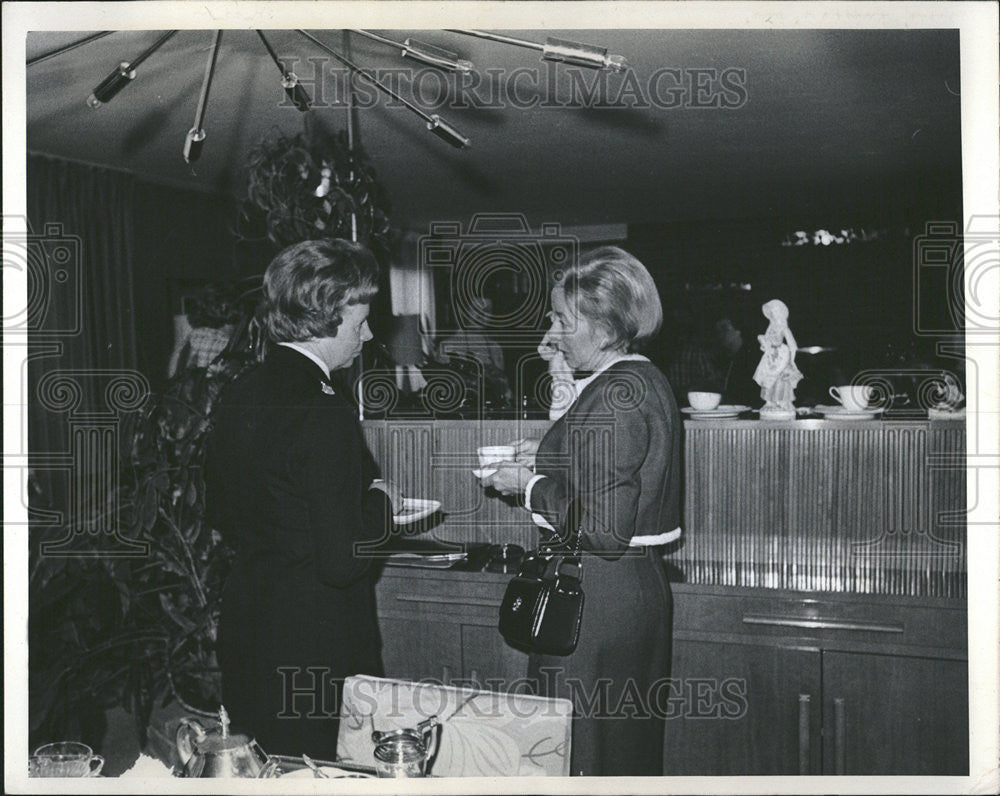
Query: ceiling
[831, 121]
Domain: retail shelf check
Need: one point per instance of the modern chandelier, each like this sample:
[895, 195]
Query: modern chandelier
[552, 49]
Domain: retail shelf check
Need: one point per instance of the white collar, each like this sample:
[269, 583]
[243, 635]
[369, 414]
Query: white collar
[579, 384]
[310, 354]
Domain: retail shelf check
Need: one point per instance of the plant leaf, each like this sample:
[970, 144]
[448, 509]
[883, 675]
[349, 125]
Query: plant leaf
[149, 506]
[172, 611]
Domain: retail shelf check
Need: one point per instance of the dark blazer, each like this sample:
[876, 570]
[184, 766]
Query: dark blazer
[287, 485]
[617, 449]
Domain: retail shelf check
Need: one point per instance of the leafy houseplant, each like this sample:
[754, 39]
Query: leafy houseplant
[311, 185]
[138, 632]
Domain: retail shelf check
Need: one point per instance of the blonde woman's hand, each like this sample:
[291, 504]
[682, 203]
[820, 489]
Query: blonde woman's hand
[525, 450]
[510, 478]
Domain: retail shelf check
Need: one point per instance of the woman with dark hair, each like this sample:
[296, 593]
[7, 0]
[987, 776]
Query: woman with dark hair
[616, 453]
[292, 486]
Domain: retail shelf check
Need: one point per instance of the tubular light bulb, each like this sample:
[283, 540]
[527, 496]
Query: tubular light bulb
[193, 144]
[446, 132]
[111, 85]
[578, 54]
[297, 94]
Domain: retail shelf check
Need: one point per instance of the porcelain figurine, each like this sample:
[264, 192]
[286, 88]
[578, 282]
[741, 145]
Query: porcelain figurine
[777, 374]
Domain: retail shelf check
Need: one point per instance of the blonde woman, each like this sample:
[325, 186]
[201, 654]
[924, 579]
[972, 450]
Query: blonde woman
[615, 451]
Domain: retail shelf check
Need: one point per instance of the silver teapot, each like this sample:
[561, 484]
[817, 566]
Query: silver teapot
[215, 753]
[404, 753]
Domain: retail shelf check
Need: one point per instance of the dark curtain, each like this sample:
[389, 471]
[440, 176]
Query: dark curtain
[81, 309]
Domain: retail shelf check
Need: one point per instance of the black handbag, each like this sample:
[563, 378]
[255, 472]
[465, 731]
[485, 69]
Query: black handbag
[542, 607]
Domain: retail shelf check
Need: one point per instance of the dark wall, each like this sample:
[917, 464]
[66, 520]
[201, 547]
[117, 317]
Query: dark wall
[858, 297]
[182, 238]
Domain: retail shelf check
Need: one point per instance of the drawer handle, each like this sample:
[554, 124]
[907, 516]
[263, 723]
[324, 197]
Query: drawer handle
[804, 710]
[404, 598]
[821, 624]
[839, 736]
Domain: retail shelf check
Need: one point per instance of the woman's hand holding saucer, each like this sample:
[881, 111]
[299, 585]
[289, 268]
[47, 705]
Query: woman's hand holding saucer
[510, 478]
[525, 451]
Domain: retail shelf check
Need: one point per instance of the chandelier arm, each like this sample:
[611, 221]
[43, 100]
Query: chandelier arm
[289, 82]
[345, 36]
[375, 37]
[156, 46]
[67, 47]
[484, 34]
[369, 77]
[206, 84]
[274, 56]
[425, 53]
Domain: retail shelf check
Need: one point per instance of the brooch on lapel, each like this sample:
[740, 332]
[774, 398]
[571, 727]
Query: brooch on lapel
[327, 388]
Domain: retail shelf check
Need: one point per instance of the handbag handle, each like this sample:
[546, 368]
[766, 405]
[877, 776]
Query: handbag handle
[573, 532]
[574, 565]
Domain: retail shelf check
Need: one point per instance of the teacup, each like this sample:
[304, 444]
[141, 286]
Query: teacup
[704, 401]
[853, 398]
[65, 759]
[495, 453]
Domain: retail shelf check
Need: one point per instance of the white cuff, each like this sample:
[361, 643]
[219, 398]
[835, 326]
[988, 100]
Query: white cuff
[656, 540]
[541, 522]
[527, 490]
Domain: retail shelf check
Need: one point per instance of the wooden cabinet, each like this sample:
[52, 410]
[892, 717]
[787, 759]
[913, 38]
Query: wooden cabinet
[823, 684]
[764, 682]
[890, 714]
[443, 626]
[743, 709]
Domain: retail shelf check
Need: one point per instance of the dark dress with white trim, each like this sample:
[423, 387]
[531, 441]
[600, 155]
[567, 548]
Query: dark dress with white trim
[617, 449]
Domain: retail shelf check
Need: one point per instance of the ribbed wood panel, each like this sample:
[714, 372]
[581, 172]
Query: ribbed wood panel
[434, 459]
[871, 507]
[868, 507]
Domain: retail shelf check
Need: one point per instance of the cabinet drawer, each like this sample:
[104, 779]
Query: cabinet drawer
[476, 601]
[863, 622]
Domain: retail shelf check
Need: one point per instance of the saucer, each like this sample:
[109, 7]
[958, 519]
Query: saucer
[946, 414]
[484, 472]
[720, 412]
[415, 509]
[436, 561]
[330, 771]
[840, 413]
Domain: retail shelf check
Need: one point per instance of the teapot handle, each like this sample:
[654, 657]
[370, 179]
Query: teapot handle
[430, 730]
[185, 748]
[270, 769]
